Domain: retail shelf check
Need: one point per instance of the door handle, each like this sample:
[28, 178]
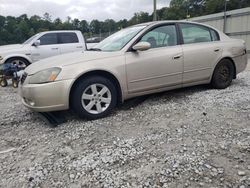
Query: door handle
[54, 48]
[79, 47]
[217, 50]
[177, 56]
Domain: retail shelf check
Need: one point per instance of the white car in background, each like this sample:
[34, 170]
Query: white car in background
[41, 46]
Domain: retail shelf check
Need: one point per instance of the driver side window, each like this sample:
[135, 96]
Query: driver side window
[162, 36]
[48, 39]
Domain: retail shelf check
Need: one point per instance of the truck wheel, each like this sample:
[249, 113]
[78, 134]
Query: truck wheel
[18, 61]
[3, 82]
[93, 98]
[223, 74]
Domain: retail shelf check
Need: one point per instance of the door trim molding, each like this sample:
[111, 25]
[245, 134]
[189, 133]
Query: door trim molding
[162, 86]
[156, 77]
[195, 70]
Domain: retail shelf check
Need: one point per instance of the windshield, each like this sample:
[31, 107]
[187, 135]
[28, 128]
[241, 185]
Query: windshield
[31, 38]
[118, 40]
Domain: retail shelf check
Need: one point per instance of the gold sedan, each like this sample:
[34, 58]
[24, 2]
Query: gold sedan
[139, 60]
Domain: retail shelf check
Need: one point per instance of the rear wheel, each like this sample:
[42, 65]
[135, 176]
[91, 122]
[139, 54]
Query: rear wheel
[223, 74]
[94, 97]
[3, 82]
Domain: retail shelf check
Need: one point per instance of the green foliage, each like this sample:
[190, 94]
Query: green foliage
[18, 29]
[140, 17]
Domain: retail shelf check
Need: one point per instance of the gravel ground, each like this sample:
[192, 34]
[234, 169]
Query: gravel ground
[193, 137]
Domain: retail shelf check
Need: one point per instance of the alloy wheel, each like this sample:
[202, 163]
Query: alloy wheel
[96, 98]
[19, 62]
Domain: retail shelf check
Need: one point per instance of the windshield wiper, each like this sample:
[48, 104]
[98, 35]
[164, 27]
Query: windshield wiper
[94, 49]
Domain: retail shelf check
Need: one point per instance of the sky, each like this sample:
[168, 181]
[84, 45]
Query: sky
[81, 9]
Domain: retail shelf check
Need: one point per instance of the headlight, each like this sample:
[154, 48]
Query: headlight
[45, 76]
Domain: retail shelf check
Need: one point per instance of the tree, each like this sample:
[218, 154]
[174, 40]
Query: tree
[35, 22]
[2, 22]
[76, 24]
[214, 6]
[58, 25]
[109, 26]
[47, 17]
[18, 29]
[122, 24]
[140, 17]
[95, 26]
[22, 31]
[84, 26]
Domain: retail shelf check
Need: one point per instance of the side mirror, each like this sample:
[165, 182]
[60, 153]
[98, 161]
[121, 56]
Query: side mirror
[142, 46]
[37, 43]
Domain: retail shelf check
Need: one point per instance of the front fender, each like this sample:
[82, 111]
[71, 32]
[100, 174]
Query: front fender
[120, 77]
[5, 58]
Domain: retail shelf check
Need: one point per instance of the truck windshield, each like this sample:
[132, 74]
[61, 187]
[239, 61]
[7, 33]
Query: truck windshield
[118, 40]
[31, 38]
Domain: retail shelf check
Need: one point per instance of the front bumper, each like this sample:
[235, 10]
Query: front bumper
[47, 97]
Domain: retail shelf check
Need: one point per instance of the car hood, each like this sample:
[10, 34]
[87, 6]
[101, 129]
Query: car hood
[69, 59]
[10, 47]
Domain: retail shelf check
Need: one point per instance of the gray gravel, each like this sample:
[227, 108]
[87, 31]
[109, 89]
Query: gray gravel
[193, 137]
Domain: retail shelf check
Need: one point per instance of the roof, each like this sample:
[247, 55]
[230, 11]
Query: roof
[60, 31]
[173, 21]
[163, 21]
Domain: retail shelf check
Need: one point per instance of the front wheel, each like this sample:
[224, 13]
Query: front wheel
[3, 82]
[20, 62]
[94, 97]
[223, 74]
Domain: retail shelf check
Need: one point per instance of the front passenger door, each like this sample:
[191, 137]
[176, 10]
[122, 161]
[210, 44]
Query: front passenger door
[159, 67]
[48, 47]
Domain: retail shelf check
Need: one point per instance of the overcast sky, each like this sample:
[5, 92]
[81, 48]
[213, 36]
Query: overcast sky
[81, 9]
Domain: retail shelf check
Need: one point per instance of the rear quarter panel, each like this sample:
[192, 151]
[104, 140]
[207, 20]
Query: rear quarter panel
[234, 49]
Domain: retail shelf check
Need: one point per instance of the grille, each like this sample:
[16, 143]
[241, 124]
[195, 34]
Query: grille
[24, 76]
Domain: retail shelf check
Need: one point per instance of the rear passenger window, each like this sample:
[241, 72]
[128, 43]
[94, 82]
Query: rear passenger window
[48, 39]
[65, 38]
[214, 34]
[195, 33]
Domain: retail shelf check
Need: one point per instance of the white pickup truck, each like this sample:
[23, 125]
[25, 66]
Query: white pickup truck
[42, 45]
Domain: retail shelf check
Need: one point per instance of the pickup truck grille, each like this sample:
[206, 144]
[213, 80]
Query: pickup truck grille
[23, 78]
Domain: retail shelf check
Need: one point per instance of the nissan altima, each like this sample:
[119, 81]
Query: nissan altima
[139, 60]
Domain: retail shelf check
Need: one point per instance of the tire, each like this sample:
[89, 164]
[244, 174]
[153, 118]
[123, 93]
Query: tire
[3, 82]
[15, 83]
[89, 99]
[21, 61]
[223, 74]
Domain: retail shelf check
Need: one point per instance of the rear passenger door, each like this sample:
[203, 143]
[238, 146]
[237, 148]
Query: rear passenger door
[69, 42]
[201, 50]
